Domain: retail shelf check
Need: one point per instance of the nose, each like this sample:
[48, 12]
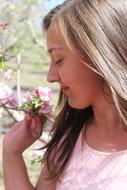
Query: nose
[53, 75]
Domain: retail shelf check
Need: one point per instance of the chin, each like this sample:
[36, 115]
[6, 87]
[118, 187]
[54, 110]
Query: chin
[77, 105]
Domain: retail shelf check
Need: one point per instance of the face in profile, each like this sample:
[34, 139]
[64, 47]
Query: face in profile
[78, 82]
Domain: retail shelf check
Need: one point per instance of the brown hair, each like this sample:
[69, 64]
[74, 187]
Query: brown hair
[96, 28]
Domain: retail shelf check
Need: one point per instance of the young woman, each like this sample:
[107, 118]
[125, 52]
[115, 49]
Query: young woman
[86, 41]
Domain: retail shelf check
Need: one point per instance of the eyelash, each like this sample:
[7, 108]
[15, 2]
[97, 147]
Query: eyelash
[59, 61]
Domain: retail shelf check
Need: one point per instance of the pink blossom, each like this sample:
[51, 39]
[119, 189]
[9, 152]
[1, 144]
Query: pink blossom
[37, 102]
[44, 93]
[27, 97]
[4, 101]
[46, 109]
[2, 26]
[8, 74]
[5, 91]
[7, 96]
[13, 100]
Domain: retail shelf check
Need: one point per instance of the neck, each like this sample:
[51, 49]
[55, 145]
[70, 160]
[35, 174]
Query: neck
[106, 117]
[107, 120]
[105, 131]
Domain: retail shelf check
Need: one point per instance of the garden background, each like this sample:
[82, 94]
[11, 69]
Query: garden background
[24, 64]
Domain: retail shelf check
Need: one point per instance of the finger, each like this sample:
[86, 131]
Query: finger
[28, 120]
[36, 127]
[43, 118]
[37, 123]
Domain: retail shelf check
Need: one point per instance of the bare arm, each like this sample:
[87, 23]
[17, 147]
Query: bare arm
[16, 177]
[15, 173]
[18, 139]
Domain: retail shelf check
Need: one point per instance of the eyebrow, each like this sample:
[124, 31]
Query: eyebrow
[53, 49]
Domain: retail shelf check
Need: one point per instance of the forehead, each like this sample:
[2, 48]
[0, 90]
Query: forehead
[54, 38]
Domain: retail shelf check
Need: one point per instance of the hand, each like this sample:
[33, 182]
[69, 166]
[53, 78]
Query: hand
[23, 134]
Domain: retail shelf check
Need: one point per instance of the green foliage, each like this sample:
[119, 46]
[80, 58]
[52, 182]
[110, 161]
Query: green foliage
[23, 34]
[30, 2]
[36, 160]
[3, 63]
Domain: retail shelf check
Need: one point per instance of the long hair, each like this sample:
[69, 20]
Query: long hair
[96, 29]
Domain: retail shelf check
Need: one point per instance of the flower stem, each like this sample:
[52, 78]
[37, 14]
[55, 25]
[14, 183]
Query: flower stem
[6, 109]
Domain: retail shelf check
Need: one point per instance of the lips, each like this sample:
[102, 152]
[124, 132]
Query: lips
[64, 89]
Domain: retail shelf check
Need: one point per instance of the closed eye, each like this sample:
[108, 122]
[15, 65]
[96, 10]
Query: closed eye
[59, 61]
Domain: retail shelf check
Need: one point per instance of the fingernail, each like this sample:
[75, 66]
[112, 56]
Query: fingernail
[28, 117]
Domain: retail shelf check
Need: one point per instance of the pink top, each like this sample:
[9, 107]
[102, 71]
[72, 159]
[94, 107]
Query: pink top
[89, 169]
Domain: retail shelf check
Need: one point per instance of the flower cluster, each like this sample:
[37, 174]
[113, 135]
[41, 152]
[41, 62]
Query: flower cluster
[34, 103]
[37, 102]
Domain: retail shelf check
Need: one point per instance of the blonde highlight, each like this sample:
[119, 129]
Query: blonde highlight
[98, 29]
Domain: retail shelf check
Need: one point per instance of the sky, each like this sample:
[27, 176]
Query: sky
[53, 3]
[50, 3]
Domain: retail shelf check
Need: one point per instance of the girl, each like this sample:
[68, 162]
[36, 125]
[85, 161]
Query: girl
[86, 41]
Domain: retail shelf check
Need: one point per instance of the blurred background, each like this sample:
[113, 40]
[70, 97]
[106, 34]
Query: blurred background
[24, 64]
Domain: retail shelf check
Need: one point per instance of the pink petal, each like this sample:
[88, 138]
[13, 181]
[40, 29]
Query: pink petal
[26, 98]
[2, 26]
[44, 93]
[13, 100]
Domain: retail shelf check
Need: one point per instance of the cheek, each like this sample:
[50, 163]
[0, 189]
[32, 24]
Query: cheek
[89, 86]
[66, 75]
[88, 78]
[84, 92]
[83, 84]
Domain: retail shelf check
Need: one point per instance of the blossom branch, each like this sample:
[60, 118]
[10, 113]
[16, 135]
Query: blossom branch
[34, 103]
[7, 110]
